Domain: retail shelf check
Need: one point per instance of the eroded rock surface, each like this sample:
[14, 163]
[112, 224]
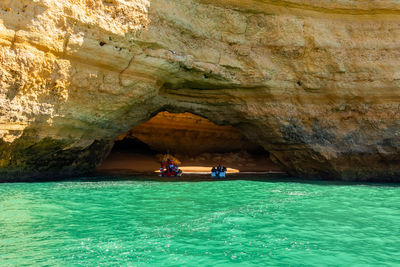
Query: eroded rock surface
[316, 83]
[188, 134]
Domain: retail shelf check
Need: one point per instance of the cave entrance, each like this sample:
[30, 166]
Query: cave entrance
[195, 141]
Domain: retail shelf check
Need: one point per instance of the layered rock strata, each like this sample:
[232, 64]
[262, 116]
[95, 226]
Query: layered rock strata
[316, 83]
[188, 134]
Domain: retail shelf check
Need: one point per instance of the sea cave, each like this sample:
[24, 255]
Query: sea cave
[195, 141]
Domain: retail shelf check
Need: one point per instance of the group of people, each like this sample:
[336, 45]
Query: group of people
[218, 172]
[169, 169]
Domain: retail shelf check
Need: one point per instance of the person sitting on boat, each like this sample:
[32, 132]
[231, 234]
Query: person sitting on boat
[213, 170]
[171, 165]
[218, 171]
[165, 168]
[175, 170]
[168, 166]
[223, 172]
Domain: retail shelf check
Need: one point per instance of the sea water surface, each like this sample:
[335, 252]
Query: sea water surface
[225, 223]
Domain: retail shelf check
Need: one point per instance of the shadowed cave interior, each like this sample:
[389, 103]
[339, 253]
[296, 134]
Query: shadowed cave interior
[196, 142]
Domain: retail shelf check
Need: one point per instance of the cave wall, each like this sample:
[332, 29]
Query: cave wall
[315, 83]
[190, 135]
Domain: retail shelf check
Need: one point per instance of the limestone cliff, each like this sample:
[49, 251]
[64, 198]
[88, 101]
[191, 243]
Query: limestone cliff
[316, 83]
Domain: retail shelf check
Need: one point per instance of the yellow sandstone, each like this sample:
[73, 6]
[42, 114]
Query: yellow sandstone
[316, 82]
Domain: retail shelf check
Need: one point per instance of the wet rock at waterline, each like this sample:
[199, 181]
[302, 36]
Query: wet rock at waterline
[316, 84]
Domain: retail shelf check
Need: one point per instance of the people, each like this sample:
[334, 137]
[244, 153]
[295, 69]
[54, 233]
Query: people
[223, 172]
[169, 165]
[169, 168]
[213, 170]
[218, 172]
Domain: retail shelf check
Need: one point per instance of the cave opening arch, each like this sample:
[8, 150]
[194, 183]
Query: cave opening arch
[197, 142]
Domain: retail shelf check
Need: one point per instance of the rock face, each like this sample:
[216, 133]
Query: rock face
[188, 134]
[316, 83]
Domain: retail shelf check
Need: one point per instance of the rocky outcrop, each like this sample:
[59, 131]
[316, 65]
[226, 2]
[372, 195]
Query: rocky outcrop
[316, 83]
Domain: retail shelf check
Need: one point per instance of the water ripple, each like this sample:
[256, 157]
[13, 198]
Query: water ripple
[198, 224]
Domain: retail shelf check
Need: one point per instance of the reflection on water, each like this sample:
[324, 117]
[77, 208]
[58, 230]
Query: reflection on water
[208, 223]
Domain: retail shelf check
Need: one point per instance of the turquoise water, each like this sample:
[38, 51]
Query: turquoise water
[224, 223]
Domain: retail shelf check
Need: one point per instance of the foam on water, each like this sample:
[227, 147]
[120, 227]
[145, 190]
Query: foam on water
[192, 224]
